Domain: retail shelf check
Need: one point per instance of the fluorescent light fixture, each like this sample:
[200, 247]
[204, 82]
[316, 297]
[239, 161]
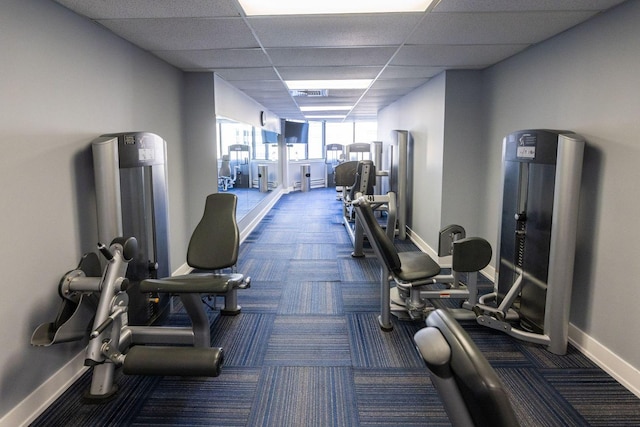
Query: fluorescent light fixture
[328, 84]
[326, 116]
[306, 7]
[326, 107]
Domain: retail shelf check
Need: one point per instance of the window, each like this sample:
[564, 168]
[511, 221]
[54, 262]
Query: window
[315, 147]
[339, 133]
[232, 133]
[350, 132]
[366, 131]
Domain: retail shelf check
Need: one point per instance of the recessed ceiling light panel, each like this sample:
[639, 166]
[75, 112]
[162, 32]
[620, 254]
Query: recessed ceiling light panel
[301, 7]
[326, 107]
[326, 117]
[328, 84]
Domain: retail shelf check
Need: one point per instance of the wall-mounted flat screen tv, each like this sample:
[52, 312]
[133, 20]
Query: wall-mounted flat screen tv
[269, 137]
[296, 132]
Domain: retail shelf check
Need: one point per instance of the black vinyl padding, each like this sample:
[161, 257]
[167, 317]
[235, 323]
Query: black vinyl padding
[471, 254]
[345, 173]
[359, 184]
[407, 266]
[194, 283]
[215, 241]
[179, 361]
[129, 247]
[479, 385]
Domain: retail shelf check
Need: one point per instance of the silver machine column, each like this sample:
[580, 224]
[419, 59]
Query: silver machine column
[396, 166]
[131, 198]
[334, 155]
[542, 171]
[239, 162]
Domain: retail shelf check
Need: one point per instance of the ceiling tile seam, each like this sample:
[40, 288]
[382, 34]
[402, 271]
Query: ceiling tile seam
[337, 47]
[243, 15]
[171, 18]
[384, 67]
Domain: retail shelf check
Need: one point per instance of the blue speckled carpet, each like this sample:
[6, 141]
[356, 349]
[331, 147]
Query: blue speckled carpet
[307, 351]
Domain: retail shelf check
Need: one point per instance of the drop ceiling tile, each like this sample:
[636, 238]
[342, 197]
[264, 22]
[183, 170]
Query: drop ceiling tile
[199, 35]
[248, 74]
[494, 28]
[110, 9]
[522, 5]
[328, 73]
[182, 33]
[466, 56]
[262, 85]
[398, 83]
[214, 58]
[389, 92]
[408, 72]
[334, 30]
[316, 57]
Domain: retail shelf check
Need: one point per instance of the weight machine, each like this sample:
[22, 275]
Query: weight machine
[112, 306]
[540, 198]
[239, 165]
[102, 302]
[419, 284]
[334, 155]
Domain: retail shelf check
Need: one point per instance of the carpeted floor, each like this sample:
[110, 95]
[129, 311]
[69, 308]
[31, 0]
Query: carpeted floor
[307, 351]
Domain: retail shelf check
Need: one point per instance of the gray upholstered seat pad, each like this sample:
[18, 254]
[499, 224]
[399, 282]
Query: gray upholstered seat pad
[193, 283]
[415, 266]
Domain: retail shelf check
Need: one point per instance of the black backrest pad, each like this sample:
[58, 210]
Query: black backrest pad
[379, 238]
[478, 383]
[471, 254]
[365, 178]
[345, 173]
[215, 241]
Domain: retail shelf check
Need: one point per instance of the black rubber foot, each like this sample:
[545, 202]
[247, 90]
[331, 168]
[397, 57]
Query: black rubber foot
[95, 399]
[226, 312]
[385, 328]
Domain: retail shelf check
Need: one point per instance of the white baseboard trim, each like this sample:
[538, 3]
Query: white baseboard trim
[611, 363]
[257, 218]
[41, 398]
[489, 272]
[182, 270]
[619, 369]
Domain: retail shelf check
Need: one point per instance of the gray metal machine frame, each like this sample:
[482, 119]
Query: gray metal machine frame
[542, 171]
[132, 200]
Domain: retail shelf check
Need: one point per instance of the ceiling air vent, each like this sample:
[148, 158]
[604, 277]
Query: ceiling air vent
[307, 92]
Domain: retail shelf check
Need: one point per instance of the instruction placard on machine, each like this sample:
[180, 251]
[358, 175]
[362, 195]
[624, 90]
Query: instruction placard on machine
[526, 147]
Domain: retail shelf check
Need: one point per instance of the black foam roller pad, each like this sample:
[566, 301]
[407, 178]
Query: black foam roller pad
[179, 361]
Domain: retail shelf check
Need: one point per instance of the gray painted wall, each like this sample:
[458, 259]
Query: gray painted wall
[464, 154]
[200, 146]
[585, 80]
[422, 114]
[64, 81]
[444, 120]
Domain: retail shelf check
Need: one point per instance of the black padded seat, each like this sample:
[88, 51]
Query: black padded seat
[415, 266]
[469, 387]
[410, 269]
[194, 283]
[213, 247]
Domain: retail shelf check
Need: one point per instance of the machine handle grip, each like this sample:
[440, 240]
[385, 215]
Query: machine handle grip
[108, 321]
[101, 328]
[105, 251]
